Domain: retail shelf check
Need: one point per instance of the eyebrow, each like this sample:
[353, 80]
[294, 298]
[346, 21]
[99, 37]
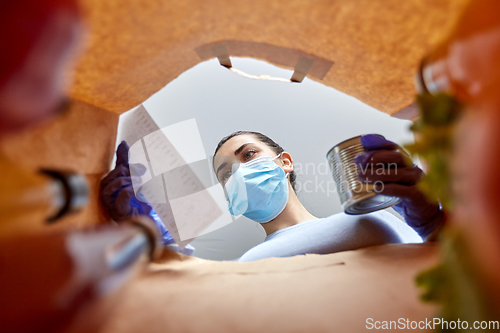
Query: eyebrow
[237, 151]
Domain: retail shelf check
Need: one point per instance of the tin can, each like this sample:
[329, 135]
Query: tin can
[356, 196]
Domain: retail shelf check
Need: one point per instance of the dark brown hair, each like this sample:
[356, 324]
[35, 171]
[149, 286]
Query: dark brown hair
[264, 139]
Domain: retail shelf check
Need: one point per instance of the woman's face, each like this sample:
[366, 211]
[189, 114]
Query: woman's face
[241, 149]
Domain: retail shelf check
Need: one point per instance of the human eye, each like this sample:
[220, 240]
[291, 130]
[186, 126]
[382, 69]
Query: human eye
[226, 175]
[249, 154]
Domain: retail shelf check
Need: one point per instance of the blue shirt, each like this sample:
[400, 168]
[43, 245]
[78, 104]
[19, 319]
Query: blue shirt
[336, 233]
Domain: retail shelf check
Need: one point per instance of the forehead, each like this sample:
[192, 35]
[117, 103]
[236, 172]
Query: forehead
[228, 148]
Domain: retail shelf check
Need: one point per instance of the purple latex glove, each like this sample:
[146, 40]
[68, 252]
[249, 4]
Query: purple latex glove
[395, 175]
[117, 192]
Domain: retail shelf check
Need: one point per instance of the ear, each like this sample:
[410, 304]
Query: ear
[287, 160]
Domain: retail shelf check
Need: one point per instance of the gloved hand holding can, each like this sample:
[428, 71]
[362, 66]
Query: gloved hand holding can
[384, 164]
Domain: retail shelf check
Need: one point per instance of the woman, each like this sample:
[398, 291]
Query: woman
[259, 180]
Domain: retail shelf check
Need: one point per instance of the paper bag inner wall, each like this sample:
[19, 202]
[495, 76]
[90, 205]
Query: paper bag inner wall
[138, 46]
[82, 140]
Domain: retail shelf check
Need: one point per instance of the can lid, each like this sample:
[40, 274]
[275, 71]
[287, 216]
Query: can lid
[369, 204]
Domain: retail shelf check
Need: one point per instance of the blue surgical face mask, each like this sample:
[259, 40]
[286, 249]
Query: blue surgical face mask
[257, 189]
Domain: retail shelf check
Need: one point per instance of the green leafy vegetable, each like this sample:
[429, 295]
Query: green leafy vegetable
[455, 284]
[433, 142]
